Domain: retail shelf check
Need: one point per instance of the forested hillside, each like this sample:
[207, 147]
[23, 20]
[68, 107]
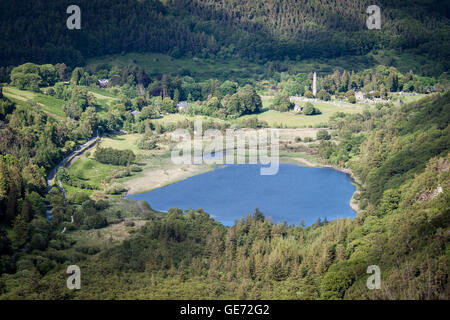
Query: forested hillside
[258, 30]
[137, 70]
[403, 228]
[398, 147]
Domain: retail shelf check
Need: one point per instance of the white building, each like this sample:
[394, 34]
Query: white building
[298, 108]
[359, 95]
[103, 83]
[182, 105]
[314, 85]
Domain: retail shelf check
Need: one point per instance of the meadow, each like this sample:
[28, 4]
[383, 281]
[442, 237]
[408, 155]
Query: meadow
[157, 168]
[294, 120]
[54, 106]
[49, 104]
[175, 117]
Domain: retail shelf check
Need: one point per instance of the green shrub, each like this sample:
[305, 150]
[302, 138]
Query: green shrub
[323, 95]
[63, 174]
[115, 188]
[96, 221]
[135, 168]
[352, 99]
[79, 197]
[38, 242]
[323, 135]
[281, 102]
[310, 110]
[146, 143]
[114, 156]
[309, 94]
[101, 204]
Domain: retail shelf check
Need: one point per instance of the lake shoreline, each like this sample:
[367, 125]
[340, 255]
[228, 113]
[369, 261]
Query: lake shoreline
[232, 191]
[354, 204]
[162, 181]
[283, 160]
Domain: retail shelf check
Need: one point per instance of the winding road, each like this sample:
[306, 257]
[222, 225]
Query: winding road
[67, 162]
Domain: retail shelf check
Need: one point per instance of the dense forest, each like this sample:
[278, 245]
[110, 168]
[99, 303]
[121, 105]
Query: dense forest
[399, 152]
[257, 30]
[59, 89]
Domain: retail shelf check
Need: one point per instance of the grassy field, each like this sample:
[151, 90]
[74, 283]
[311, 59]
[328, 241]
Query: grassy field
[51, 105]
[122, 142]
[54, 106]
[90, 171]
[103, 93]
[103, 97]
[158, 168]
[407, 99]
[293, 120]
[175, 117]
[276, 118]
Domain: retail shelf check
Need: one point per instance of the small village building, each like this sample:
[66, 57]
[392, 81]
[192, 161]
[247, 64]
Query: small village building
[182, 106]
[314, 85]
[135, 113]
[103, 83]
[298, 108]
[360, 96]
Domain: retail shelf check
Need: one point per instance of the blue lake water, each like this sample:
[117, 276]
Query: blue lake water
[231, 192]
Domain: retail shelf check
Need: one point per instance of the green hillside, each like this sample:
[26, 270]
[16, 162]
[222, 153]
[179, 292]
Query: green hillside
[90, 116]
[402, 230]
[252, 30]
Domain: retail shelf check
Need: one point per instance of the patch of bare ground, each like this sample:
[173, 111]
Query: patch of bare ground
[155, 178]
[121, 231]
[291, 134]
[107, 236]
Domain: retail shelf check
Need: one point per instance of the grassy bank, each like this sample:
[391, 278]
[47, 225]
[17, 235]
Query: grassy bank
[49, 104]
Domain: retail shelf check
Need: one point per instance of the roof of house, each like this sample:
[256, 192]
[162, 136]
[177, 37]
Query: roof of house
[183, 104]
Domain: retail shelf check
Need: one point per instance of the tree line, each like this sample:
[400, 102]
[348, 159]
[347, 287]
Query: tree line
[113, 156]
[256, 30]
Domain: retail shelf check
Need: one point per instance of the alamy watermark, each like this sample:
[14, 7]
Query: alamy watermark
[74, 281]
[374, 19]
[239, 146]
[374, 281]
[74, 20]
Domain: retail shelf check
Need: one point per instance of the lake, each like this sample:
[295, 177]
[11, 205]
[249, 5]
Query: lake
[228, 193]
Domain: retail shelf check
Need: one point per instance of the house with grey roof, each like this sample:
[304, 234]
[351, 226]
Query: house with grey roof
[103, 83]
[359, 95]
[135, 113]
[182, 106]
